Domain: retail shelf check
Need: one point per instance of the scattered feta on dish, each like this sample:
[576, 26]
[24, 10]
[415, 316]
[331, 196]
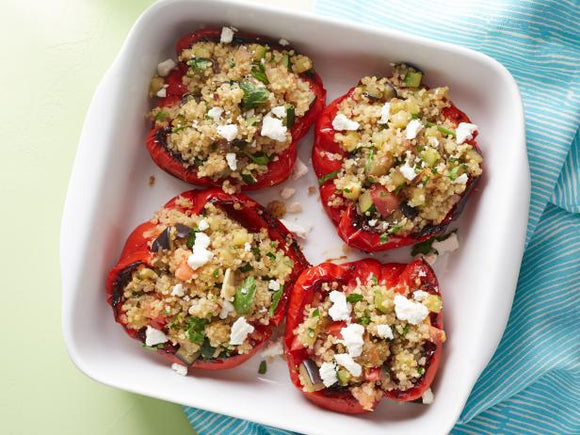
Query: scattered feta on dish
[300, 169]
[179, 369]
[163, 68]
[287, 192]
[428, 397]
[227, 35]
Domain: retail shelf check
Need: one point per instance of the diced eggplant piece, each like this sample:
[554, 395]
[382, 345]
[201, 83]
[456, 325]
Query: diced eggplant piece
[163, 241]
[187, 358]
[182, 231]
[408, 211]
[310, 373]
[390, 92]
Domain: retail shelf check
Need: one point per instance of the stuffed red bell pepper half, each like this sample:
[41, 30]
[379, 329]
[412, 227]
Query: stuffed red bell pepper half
[396, 161]
[361, 331]
[231, 110]
[206, 280]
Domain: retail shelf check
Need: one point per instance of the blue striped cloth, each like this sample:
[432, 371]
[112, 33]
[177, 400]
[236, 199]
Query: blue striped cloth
[532, 384]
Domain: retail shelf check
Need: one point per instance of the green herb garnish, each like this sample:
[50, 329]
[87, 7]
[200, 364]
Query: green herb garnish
[246, 268]
[384, 238]
[290, 115]
[195, 329]
[415, 116]
[271, 255]
[276, 296]
[263, 368]
[454, 173]
[190, 241]
[259, 158]
[364, 320]
[286, 62]
[354, 297]
[245, 295]
[405, 330]
[199, 63]
[216, 273]
[248, 178]
[316, 313]
[395, 229]
[259, 73]
[327, 177]
[369, 163]
[253, 95]
[161, 115]
[399, 188]
[374, 280]
[207, 350]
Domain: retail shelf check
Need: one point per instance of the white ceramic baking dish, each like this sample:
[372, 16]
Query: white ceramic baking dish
[109, 194]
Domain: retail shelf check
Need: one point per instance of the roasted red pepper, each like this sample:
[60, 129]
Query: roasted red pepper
[278, 170]
[345, 217]
[307, 290]
[245, 211]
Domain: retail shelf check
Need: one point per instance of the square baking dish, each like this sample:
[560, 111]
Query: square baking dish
[109, 194]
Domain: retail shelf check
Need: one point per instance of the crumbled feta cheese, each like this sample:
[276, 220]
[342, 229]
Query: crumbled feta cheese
[422, 274]
[434, 142]
[341, 123]
[352, 336]
[162, 93]
[200, 255]
[274, 285]
[294, 207]
[465, 132]
[407, 171]
[340, 309]
[154, 336]
[279, 111]
[240, 331]
[165, 67]
[248, 247]
[428, 397]
[227, 308]
[385, 331]
[215, 113]
[462, 179]
[385, 113]
[273, 350]
[179, 369]
[273, 128]
[430, 258]
[295, 228]
[232, 161]
[413, 128]
[450, 244]
[203, 225]
[300, 169]
[327, 373]
[373, 222]
[177, 290]
[420, 295]
[283, 42]
[345, 360]
[409, 311]
[228, 131]
[227, 35]
[287, 192]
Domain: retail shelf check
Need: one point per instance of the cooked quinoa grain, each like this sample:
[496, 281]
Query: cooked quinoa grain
[407, 163]
[368, 338]
[209, 287]
[241, 100]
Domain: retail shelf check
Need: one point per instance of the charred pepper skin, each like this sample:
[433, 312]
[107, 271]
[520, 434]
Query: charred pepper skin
[307, 289]
[251, 215]
[349, 223]
[278, 170]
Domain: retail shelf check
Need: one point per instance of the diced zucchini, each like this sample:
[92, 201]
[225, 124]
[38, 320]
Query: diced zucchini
[474, 156]
[343, 376]
[260, 52]
[413, 79]
[397, 179]
[156, 85]
[400, 119]
[351, 190]
[430, 156]
[378, 301]
[433, 303]
[365, 201]
[350, 140]
[301, 64]
[146, 273]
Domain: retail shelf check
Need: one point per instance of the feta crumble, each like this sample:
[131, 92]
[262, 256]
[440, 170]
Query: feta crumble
[287, 192]
[215, 113]
[273, 128]
[345, 360]
[248, 247]
[420, 295]
[465, 132]
[385, 331]
[283, 42]
[352, 336]
[232, 161]
[413, 128]
[203, 225]
[177, 290]
[327, 373]
[227, 308]
[227, 35]
[342, 123]
[274, 285]
[228, 131]
[273, 350]
[385, 114]
[240, 331]
[200, 255]
[300, 169]
[279, 111]
[409, 311]
[179, 369]
[162, 93]
[428, 397]
[408, 172]
[462, 179]
[154, 336]
[340, 309]
[163, 68]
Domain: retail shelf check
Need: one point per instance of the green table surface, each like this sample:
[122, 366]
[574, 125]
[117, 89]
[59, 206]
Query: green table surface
[55, 53]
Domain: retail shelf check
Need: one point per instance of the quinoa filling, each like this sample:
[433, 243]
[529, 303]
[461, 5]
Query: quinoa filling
[368, 339]
[407, 163]
[210, 285]
[242, 100]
